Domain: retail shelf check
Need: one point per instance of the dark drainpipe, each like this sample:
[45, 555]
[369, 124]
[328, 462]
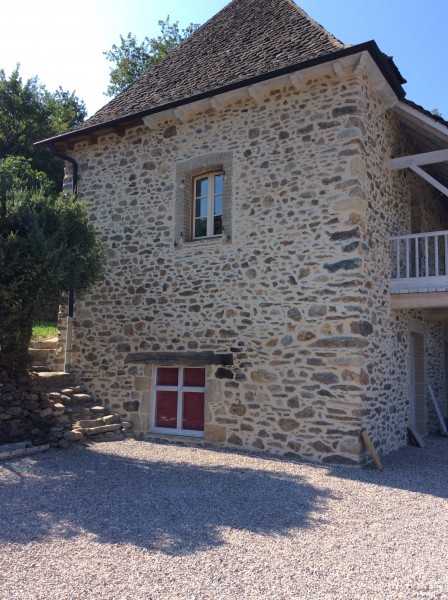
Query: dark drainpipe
[71, 293]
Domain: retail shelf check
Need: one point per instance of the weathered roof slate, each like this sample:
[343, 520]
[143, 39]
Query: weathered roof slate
[245, 39]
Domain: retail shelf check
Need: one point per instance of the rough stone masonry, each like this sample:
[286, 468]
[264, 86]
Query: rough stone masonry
[299, 294]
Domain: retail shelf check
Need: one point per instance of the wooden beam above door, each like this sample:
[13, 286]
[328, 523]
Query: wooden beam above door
[179, 359]
[437, 315]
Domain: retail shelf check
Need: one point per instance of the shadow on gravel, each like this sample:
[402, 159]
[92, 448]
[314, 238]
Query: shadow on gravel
[420, 470]
[176, 508]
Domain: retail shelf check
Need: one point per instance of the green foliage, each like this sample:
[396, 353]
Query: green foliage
[44, 330]
[47, 246]
[77, 257]
[28, 113]
[132, 59]
[16, 172]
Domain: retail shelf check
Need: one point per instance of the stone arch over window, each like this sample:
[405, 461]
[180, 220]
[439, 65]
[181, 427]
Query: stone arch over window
[186, 172]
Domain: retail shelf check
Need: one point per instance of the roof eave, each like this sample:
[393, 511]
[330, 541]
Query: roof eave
[427, 124]
[370, 47]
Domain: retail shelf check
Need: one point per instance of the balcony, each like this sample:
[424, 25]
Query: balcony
[420, 270]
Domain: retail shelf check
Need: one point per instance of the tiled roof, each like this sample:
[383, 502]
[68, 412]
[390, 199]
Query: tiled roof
[437, 118]
[245, 39]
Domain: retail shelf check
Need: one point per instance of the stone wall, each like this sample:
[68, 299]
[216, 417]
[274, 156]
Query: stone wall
[15, 398]
[46, 408]
[300, 292]
[28, 412]
[390, 196]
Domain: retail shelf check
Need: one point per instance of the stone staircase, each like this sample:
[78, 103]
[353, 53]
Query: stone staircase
[79, 419]
[76, 417]
[42, 353]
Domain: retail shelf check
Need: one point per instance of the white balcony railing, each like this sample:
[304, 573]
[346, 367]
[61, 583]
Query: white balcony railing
[421, 262]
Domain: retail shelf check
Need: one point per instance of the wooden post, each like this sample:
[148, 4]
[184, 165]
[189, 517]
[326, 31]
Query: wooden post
[443, 429]
[24, 451]
[415, 438]
[370, 447]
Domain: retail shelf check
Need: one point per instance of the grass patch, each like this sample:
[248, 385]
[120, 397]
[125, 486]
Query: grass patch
[44, 330]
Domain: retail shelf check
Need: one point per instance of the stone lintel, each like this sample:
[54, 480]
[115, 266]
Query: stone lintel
[187, 359]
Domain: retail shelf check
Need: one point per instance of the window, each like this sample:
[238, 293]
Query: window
[178, 405]
[207, 205]
[203, 198]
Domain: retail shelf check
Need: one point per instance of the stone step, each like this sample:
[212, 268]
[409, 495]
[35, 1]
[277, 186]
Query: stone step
[73, 436]
[77, 409]
[86, 423]
[89, 431]
[97, 411]
[81, 398]
[48, 344]
[82, 415]
[54, 381]
[43, 354]
[39, 355]
[113, 418]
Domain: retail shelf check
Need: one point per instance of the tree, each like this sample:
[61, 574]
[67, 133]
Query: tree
[436, 112]
[28, 113]
[132, 59]
[17, 173]
[47, 246]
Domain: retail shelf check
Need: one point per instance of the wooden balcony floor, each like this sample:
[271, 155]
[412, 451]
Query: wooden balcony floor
[421, 298]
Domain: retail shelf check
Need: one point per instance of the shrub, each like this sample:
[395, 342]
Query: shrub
[47, 247]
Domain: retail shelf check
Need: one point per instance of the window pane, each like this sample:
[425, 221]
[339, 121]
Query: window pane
[218, 205]
[167, 375]
[194, 377]
[218, 184]
[193, 416]
[217, 225]
[201, 187]
[200, 227]
[201, 207]
[166, 409]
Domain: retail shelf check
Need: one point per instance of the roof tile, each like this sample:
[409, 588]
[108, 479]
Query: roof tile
[245, 39]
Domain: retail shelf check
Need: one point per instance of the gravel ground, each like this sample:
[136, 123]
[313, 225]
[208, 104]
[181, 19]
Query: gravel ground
[138, 520]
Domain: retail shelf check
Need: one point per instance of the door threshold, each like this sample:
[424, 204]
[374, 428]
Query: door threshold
[177, 440]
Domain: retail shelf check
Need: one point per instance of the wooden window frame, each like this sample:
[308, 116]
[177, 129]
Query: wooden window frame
[210, 176]
[186, 172]
[179, 388]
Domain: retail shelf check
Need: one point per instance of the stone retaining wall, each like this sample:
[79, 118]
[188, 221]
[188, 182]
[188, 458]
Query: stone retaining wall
[46, 409]
[29, 412]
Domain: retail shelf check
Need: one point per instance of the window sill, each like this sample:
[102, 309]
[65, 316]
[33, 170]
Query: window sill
[176, 433]
[203, 243]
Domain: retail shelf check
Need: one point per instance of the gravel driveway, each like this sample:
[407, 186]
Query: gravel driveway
[137, 520]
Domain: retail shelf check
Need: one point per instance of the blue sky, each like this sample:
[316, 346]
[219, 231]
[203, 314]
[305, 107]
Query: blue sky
[63, 43]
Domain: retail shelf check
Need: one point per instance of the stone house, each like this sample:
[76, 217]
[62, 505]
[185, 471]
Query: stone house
[278, 267]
